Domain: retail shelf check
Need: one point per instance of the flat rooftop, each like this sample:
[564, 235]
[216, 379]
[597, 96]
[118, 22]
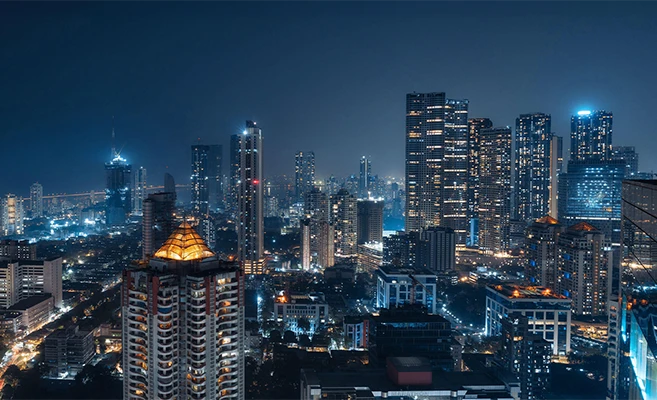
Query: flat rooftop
[30, 302]
[392, 270]
[526, 292]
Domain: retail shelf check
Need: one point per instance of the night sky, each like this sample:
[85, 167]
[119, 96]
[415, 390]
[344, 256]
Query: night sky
[328, 77]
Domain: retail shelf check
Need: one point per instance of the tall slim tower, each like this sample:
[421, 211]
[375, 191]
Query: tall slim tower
[532, 166]
[234, 170]
[364, 178]
[425, 141]
[370, 221]
[250, 222]
[36, 200]
[118, 196]
[590, 136]
[304, 174]
[138, 190]
[475, 125]
[12, 215]
[556, 167]
[454, 197]
[200, 179]
[344, 218]
[495, 190]
[317, 211]
[170, 185]
[157, 221]
[215, 186]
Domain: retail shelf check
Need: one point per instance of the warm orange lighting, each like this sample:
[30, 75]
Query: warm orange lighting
[184, 244]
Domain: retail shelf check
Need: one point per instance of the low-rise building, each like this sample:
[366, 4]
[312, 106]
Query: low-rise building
[356, 330]
[34, 312]
[302, 313]
[370, 256]
[399, 286]
[67, 351]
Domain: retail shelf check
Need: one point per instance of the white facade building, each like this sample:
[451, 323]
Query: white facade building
[25, 278]
[396, 286]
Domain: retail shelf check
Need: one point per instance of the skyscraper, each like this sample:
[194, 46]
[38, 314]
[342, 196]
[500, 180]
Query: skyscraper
[118, 196]
[215, 177]
[234, 170]
[532, 166]
[454, 197]
[370, 221]
[494, 189]
[425, 141]
[206, 178]
[250, 221]
[556, 167]
[630, 156]
[183, 324]
[316, 209]
[36, 200]
[365, 177]
[475, 125]
[170, 185]
[541, 250]
[438, 249]
[138, 190]
[590, 136]
[304, 173]
[157, 221]
[343, 217]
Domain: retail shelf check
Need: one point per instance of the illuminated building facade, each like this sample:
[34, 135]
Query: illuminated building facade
[370, 221]
[12, 215]
[304, 173]
[556, 167]
[344, 218]
[585, 268]
[549, 313]
[629, 155]
[291, 309]
[18, 250]
[118, 196]
[475, 126]
[397, 286]
[183, 324]
[36, 200]
[370, 256]
[541, 252]
[532, 166]
[157, 221]
[138, 190]
[438, 249]
[365, 178]
[207, 192]
[250, 219]
[494, 190]
[454, 197]
[401, 249]
[590, 136]
[22, 279]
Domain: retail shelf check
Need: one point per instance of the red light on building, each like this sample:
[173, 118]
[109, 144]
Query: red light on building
[255, 181]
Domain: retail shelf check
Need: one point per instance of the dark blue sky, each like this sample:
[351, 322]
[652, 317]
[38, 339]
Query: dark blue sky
[329, 77]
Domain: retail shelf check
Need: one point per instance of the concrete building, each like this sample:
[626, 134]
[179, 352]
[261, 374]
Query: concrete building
[290, 309]
[401, 249]
[22, 279]
[364, 178]
[304, 173]
[370, 256]
[475, 126]
[18, 250]
[36, 200]
[357, 331]
[183, 324]
[590, 136]
[541, 252]
[12, 215]
[138, 190]
[118, 193]
[631, 158]
[30, 313]
[556, 168]
[438, 249]
[549, 313]
[68, 350]
[399, 286]
[157, 221]
[369, 221]
[344, 219]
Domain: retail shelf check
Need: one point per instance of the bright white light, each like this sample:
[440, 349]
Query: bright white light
[584, 112]
[244, 132]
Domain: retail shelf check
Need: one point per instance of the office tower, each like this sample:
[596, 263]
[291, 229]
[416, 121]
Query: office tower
[306, 255]
[549, 312]
[532, 166]
[36, 200]
[304, 173]
[556, 166]
[343, 217]
[425, 141]
[316, 209]
[22, 279]
[215, 177]
[68, 350]
[18, 250]
[630, 156]
[234, 171]
[401, 249]
[157, 222]
[590, 136]
[494, 189]
[438, 249]
[118, 196]
[12, 215]
[584, 268]
[475, 126]
[200, 180]
[326, 251]
[170, 185]
[183, 324]
[369, 221]
[541, 252]
[454, 197]
[138, 190]
[527, 356]
[365, 177]
[591, 192]
[250, 222]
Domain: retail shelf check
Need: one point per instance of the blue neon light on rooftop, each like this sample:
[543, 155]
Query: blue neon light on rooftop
[584, 112]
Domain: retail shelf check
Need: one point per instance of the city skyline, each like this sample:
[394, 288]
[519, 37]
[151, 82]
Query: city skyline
[155, 120]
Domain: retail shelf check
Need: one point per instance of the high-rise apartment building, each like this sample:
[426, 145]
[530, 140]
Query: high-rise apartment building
[320, 229]
[630, 156]
[170, 185]
[494, 189]
[304, 173]
[234, 171]
[556, 167]
[36, 200]
[541, 252]
[401, 249]
[250, 221]
[365, 177]
[344, 219]
[138, 190]
[12, 215]
[590, 136]
[475, 125]
[183, 324]
[532, 166]
[454, 197]
[438, 249]
[206, 178]
[369, 221]
[585, 262]
[118, 194]
[157, 221]
[21, 279]
[18, 250]
[425, 141]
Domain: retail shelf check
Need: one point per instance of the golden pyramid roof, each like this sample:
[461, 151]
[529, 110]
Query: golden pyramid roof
[184, 244]
[583, 226]
[547, 220]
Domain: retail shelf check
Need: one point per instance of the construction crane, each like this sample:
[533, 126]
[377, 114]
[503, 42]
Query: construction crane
[413, 285]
